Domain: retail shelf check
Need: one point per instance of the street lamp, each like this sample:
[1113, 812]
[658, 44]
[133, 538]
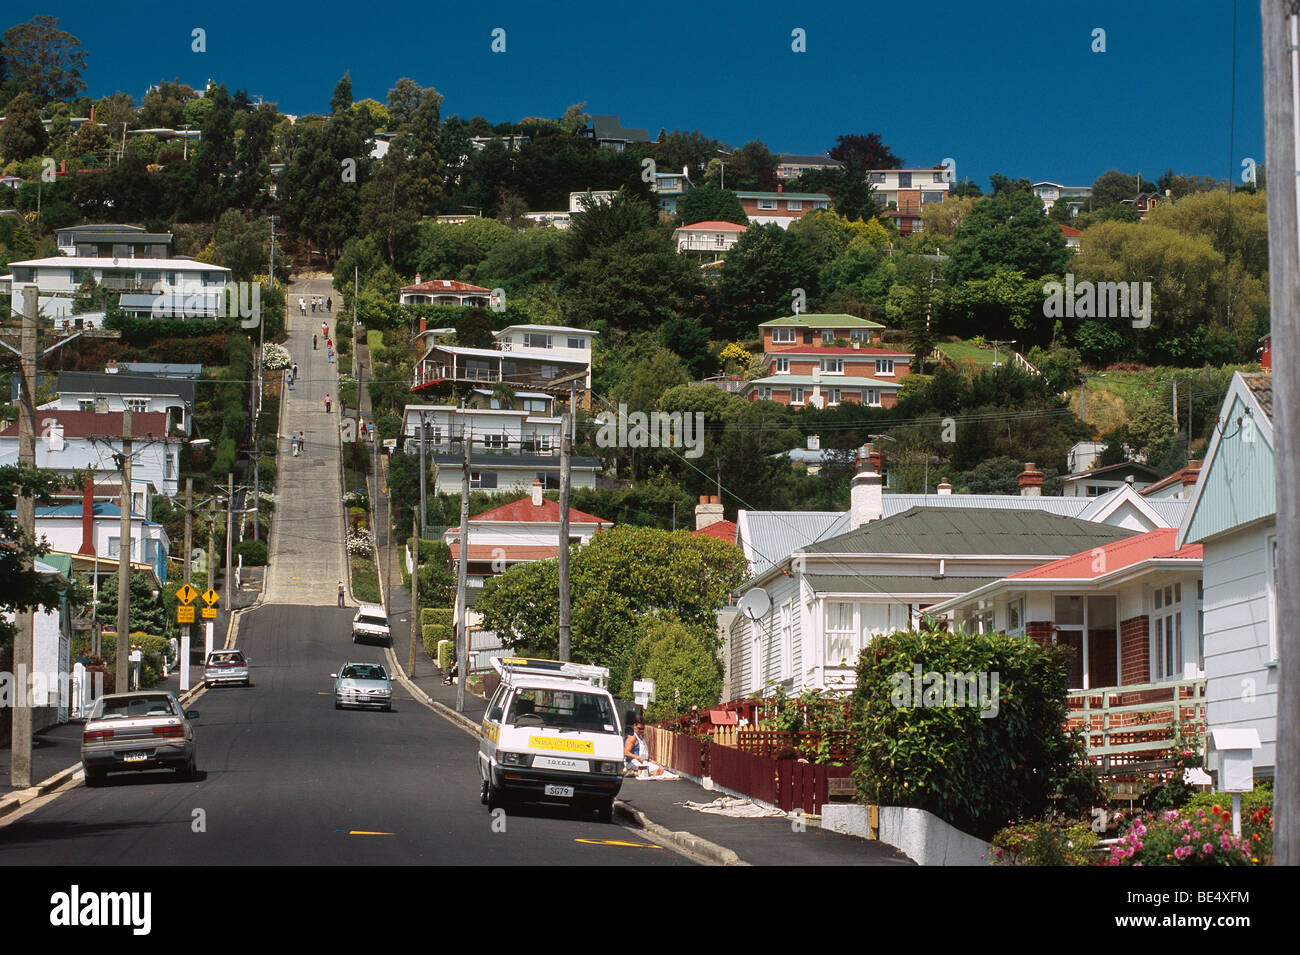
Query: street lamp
[723, 152]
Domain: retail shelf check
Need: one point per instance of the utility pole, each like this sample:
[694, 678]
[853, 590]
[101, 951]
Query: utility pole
[415, 593]
[565, 630]
[124, 563]
[462, 612]
[189, 543]
[230, 533]
[1175, 406]
[24, 649]
[1281, 30]
[356, 289]
[424, 474]
[212, 566]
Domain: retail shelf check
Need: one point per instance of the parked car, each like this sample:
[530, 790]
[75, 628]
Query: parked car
[138, 731]
[226, 666]
[370, 624]
[362, 684]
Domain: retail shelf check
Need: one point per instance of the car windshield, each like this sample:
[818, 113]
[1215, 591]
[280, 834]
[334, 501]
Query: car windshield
[562, 709]
[132, 707]
[364, 671]
[372, 621]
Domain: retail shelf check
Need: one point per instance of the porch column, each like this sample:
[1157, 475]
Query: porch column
[1135, 650]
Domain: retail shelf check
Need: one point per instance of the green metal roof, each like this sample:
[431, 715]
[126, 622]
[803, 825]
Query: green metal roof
[891, 585]
[814, 196]
[972, 530]
[822, 321]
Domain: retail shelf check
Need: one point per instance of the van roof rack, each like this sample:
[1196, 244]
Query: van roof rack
[585, 672]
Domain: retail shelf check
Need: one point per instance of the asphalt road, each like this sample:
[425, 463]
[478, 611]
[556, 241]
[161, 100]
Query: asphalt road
[287, 779]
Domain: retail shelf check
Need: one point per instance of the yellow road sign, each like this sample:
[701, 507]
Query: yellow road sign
[186, 594]
[209, 612]
[184, 614]
[210, 597]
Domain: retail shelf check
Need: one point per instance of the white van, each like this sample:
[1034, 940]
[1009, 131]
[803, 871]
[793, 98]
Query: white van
[370, 625]
[551, 733]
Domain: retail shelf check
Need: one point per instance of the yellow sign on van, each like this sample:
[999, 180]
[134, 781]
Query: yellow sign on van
[561, 745]
[491, 732]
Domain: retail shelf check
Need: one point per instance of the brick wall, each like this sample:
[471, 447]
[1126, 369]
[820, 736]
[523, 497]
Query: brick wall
[1135, 650]
[1040, 631]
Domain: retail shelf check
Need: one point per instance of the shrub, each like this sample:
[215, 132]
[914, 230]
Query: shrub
[375, 342]
[434, 633]
[1049, 841]
[430, 616]
[356, 499]
[275, 357]
[1197, 838]
[446, 653]
[979, 765]
[253, 552]
[360, 543]
[682, 662]
[357, 518]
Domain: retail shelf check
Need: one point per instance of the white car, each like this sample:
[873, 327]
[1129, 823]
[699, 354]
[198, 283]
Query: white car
[362, 684]
[226, 666]
[370, 625]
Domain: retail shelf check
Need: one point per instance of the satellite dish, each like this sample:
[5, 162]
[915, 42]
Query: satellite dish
[755, 604]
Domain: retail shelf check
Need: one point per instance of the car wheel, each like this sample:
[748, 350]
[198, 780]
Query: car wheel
[338, 705]
[189, 772]
[495, 798]
[605, 810]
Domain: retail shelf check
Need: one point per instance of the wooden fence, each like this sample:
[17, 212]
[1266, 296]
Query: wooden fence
[1129, 725]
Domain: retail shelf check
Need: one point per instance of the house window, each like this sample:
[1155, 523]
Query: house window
[550, 480]
[873, 397]
[536, 340]
[928, 198]
[832, 366]
[171, 467]
[876, 177]
[783, 336]
[1095, 490]
[137, 405]
[828, 336]
[821, 204]
[787, 640]
[115, 550]
[1016, 616]
[482, 480]
[1200, 625]
[839, 634]
[767, 204]
[884, 366]
[1168, 657]
[794, 205]
[860, 335]
[495, 442]
[85, 404]
[535, 405]
[577, 343]
[796, 396]
[765, 394]
[833, 396]
[781, 366]
[550, 371]
[904, 180]
[938, 176]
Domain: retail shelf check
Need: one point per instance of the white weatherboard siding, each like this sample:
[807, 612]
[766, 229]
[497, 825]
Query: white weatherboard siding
[1241, 689]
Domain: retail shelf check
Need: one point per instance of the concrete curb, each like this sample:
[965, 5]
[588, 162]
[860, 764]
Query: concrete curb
[687, 842]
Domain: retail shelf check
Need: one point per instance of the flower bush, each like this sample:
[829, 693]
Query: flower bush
[1053, 840]
[356, 499]
[275, 357]
[1174, 838]
[360, 543]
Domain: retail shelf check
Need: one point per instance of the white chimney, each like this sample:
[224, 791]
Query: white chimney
[866, 497]
[1030, 481]
[708, 511]
[944, 487]
[537, 492]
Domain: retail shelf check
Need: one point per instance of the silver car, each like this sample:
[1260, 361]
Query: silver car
[226, 666]
[362, 684]
[135, 732]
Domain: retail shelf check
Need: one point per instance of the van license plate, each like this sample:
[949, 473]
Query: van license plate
[565, 791]
[135, 757]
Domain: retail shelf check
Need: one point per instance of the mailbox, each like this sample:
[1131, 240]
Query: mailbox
[1232, 754]
[644, 691]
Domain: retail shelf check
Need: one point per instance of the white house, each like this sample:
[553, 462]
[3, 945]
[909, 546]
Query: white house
[1096, 481]
[577, 200]
[1053, 192]
[444, 292]
[70, 529]
[69, 441]
[63, 275]
[1232, 514]
[712, 237]
[114, 391]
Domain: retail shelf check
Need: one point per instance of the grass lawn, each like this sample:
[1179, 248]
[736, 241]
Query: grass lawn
[365, 580]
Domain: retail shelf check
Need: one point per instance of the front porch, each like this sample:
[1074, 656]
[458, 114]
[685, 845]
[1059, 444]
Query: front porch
[1138, 728]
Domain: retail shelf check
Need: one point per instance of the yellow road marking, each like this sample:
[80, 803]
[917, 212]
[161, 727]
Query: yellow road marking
[362, 832]
[616, 842]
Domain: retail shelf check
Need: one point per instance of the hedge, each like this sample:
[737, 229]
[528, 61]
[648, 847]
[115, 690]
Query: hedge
[977, 754]
[446, 653]
[253, 552]
[433, 634]
[430, 616]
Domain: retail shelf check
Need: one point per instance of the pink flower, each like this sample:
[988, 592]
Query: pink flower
[1207, 849]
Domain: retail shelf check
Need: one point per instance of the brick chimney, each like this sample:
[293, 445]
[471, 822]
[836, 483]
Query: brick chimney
[537, 492]
[866, 493]
[424, 324]
[1190, 473]
[944, 486]
[1031, 481]
[88, 517]
[780, 188]
[708, 511]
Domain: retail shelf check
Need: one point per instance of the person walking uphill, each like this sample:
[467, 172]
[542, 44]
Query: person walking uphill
[327, 404]
[341, 593]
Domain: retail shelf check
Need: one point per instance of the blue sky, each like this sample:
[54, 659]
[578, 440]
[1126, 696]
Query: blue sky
[1007, 86]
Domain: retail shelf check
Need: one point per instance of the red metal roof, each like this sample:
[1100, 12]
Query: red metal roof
[713, 225]
[446, 285]
[510, 553]
[1097, 562]
[525, 511]
[1070, 231]
[722, 530]
[83, 424]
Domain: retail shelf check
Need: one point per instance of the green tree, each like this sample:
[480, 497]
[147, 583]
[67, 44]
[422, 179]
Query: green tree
[23, 134]
[341, 100]
[1113, 187]
[147, 612]
[43, 60]
[682, 661]
[760, 274]
[652, 376]
[1006, 229]
[22, 587]
[868, 150]
[708, 203]
[240, 243]
[915, 302]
